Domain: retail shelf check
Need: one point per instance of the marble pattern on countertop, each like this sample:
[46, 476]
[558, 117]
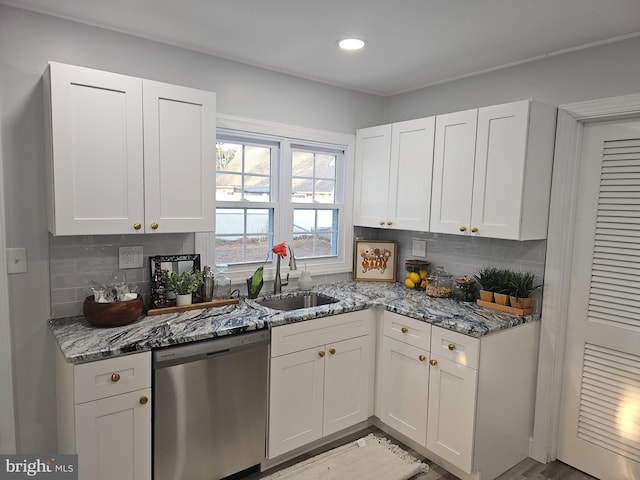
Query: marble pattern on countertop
[81, 342]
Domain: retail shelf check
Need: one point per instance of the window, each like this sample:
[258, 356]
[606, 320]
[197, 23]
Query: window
[271, 188]
[313, 195]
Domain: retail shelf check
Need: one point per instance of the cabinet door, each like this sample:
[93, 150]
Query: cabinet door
[296, 396]
[410, 174]
[179, 158]
[451, 418]
[453, 160]
[371, 193]
[96, 151]
[348, 371]
[404, 389]
[498, 185]
[113, 437]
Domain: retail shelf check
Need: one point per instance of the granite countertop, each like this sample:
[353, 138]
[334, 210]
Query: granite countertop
[80, 342]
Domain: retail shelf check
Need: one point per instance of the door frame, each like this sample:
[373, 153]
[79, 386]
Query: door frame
[7, 410]
[560, 237]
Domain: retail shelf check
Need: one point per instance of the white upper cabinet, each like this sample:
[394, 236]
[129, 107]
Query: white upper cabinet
[492, 171]
[393, 175]
[373, 162]
[179, 158]
[454, 155]
[127, 155]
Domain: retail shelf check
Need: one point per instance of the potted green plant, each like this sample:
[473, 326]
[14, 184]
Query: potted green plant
[521, 284]
[488, 278]
[183, 284]
[501, 289]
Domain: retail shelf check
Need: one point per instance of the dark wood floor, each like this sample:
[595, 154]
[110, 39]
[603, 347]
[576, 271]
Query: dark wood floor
[528, 469]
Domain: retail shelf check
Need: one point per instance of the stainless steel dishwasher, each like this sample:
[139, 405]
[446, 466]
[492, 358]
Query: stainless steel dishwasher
[210, 407]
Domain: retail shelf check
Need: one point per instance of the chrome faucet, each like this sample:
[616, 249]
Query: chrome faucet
[278, 283]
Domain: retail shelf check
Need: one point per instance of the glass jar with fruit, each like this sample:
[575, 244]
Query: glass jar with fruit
[416, 274]
[439, 283]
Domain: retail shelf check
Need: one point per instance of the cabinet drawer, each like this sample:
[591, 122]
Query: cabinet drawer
[312, 333]
[455, 346]
[407, 330]
[105, 378]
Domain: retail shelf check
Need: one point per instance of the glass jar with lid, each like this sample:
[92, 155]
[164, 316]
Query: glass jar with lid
[416, 274]
[221, 283]
[439, 283]
[464, 289]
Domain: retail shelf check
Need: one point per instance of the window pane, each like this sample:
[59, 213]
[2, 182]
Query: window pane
[229, 221]
[324, 191]
[257, 160]
[302, 164]
[325, 166]
[304, 220]
[243, 235]
[315, 232]
[228, 157]
[257, 189]
[326, 245]
[228, 187]
[258, 220]
[301, 190]
[326, 219]
[241, 250]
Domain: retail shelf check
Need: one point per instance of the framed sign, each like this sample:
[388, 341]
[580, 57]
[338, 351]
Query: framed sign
[375, 260]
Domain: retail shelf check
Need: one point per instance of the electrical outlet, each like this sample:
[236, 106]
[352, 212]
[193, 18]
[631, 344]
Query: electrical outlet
[130, 257]
[419, 248]
[16, 260]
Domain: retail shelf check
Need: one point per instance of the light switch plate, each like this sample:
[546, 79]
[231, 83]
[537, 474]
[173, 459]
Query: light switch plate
[16, 260]
[419, 248]
[130, 257]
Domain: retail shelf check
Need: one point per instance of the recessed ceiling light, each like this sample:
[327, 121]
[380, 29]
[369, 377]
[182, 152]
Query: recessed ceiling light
[351, 43]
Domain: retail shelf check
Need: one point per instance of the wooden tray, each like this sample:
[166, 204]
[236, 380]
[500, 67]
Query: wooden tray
[504, 308]
[193, 306]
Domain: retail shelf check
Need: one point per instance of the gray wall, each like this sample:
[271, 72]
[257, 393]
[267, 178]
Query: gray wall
[606, 71]
[28, 41]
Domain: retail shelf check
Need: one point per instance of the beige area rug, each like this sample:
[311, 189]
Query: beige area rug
[370, 458]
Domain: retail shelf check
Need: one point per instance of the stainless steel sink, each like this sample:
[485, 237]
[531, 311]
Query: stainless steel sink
[306, 300]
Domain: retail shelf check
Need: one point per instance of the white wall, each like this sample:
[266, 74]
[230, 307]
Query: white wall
[605, 71]
[27, 42]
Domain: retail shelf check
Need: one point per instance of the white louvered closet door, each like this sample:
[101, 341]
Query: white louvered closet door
[600, 412]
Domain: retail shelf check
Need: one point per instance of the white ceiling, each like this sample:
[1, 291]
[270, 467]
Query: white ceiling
[411, 43]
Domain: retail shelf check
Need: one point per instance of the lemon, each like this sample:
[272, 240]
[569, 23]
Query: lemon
[409, 284]
[423, 274]
[423, 284]
[414, 277]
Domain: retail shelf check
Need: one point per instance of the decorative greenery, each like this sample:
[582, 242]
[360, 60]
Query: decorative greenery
[521, 284]
[182, 283]
[255, 282]
[490, 278]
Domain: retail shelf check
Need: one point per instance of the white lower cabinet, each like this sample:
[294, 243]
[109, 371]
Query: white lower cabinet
[451, 411]
[104, 416]
[404, 377]
[466, 402]
[321, 379]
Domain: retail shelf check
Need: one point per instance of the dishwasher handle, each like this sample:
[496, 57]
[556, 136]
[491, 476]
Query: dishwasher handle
[218, 346]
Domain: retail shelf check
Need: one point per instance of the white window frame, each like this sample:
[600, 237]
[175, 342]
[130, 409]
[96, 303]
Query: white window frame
[317, 266]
